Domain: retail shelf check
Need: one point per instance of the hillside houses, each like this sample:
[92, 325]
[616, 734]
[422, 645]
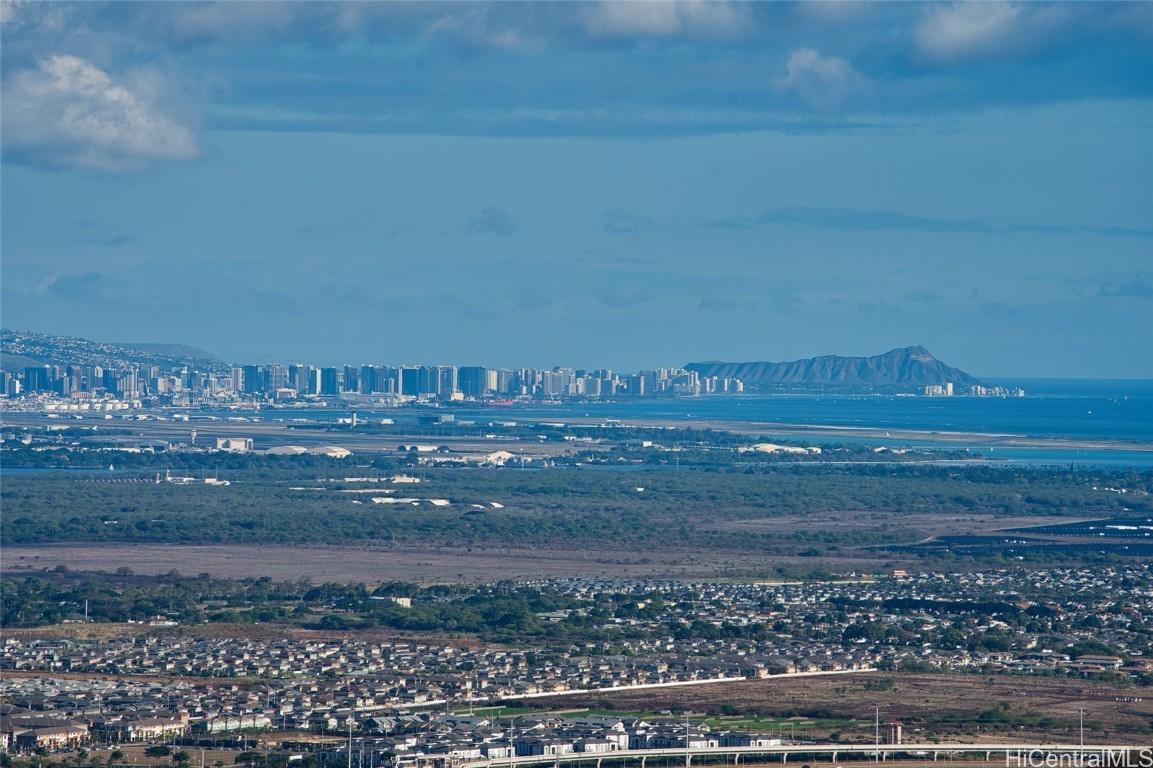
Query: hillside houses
[662, 633]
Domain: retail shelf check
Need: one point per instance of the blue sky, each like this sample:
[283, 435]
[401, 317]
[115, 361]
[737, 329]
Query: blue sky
[622, 184]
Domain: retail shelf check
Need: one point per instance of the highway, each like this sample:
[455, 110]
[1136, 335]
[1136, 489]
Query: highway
[1002, 753]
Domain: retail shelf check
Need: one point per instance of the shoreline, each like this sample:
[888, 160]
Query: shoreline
[283, 434]
[995, 439]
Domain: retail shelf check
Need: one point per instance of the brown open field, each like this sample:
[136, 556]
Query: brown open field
[379, 562]
[373, 564]
[113, 631]
[931, 706]
[863, 520]
[368, 564]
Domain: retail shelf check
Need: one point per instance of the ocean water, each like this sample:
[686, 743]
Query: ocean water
[1104, 410]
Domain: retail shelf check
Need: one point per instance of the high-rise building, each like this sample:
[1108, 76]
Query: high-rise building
[351, 380]
[93, 377]
[297, 377]
[277, 377]
[366, 382]
[75, 377]
[304, 379]
[428, 380]
[447, 382]
[409, 381]
[503, 382]
[253, 380]
[329, 381]
[388, 380]
[39, 378]
[121, 383]
[474, 380]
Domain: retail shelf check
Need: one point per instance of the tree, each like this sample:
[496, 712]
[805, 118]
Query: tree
[158, 750]
[1091, 647]
[181, 758]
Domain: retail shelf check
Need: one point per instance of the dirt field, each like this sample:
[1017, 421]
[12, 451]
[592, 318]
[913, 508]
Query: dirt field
[105, 632]
[924, 525]
[374, 564]
[929, 705]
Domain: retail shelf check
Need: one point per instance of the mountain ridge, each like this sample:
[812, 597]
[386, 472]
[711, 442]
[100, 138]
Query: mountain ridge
[913, 366]
[906, 367]
[23, 348]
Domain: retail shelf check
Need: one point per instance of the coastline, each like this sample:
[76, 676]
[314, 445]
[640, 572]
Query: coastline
[897, 436]
[283, 434]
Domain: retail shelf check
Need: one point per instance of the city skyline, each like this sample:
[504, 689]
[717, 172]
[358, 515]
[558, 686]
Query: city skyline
[622, 185]
[67, 366]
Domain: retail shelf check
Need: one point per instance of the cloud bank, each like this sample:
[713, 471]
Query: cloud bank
[105, 86]
[69, 113]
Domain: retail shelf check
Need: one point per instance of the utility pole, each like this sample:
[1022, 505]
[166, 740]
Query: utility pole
[511, 744]
[1082, 727]
[687, 758]
[877, 733]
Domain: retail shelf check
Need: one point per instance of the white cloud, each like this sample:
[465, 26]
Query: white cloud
[666, 18]
[968, 29]
[973, 30]
[610, 19]
[477, 25]
[12, 14]
[69, 113]
[244, 22]
[823, 82]
[835, 11]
